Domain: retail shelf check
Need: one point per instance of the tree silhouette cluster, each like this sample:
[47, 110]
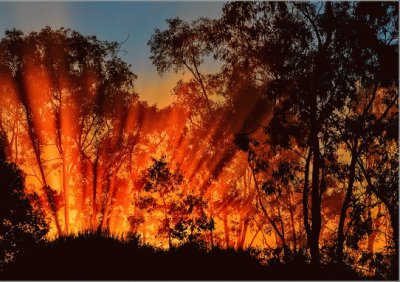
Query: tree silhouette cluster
[22, 225]
[330, 70]
[184, 217]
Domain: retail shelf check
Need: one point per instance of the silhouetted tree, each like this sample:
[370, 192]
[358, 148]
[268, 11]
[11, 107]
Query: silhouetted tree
[161, 182]
[184, 215]
[377, 95]
[312, 60]
[182, 46]
[379, 167]
[192, 220]
[22, 223]
[86, 90]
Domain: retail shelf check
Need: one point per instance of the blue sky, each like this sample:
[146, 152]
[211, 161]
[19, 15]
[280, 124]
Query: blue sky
[113, 21]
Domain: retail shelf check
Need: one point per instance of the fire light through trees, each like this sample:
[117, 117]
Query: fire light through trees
[290, 147]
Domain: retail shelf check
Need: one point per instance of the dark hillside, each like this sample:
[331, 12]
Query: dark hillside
[105, 258]
[100, 257]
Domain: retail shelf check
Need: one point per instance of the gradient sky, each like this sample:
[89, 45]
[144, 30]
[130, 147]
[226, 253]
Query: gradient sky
[113, 21]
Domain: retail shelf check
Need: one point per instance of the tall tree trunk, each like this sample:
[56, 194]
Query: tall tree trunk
[66, 195]
[313, 240]
[239, 233]
[16, 140]
[59, 116]
[305, 195]
[226, 229]
[167, 221]
[345, 205]
[212, 217]
[94, 193]
[244, 232]
[293, 230]
[106, 200]
[23, 95]
[291, 209]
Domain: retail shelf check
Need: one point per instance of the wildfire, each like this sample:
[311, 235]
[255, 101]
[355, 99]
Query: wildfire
[84, 139]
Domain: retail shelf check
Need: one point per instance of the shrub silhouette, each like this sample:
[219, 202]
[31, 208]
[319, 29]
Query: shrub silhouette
[99, 256]
[21, 225]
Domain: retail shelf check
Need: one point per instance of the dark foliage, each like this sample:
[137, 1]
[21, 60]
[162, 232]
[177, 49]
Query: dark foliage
[21, 224]
[101, 257]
